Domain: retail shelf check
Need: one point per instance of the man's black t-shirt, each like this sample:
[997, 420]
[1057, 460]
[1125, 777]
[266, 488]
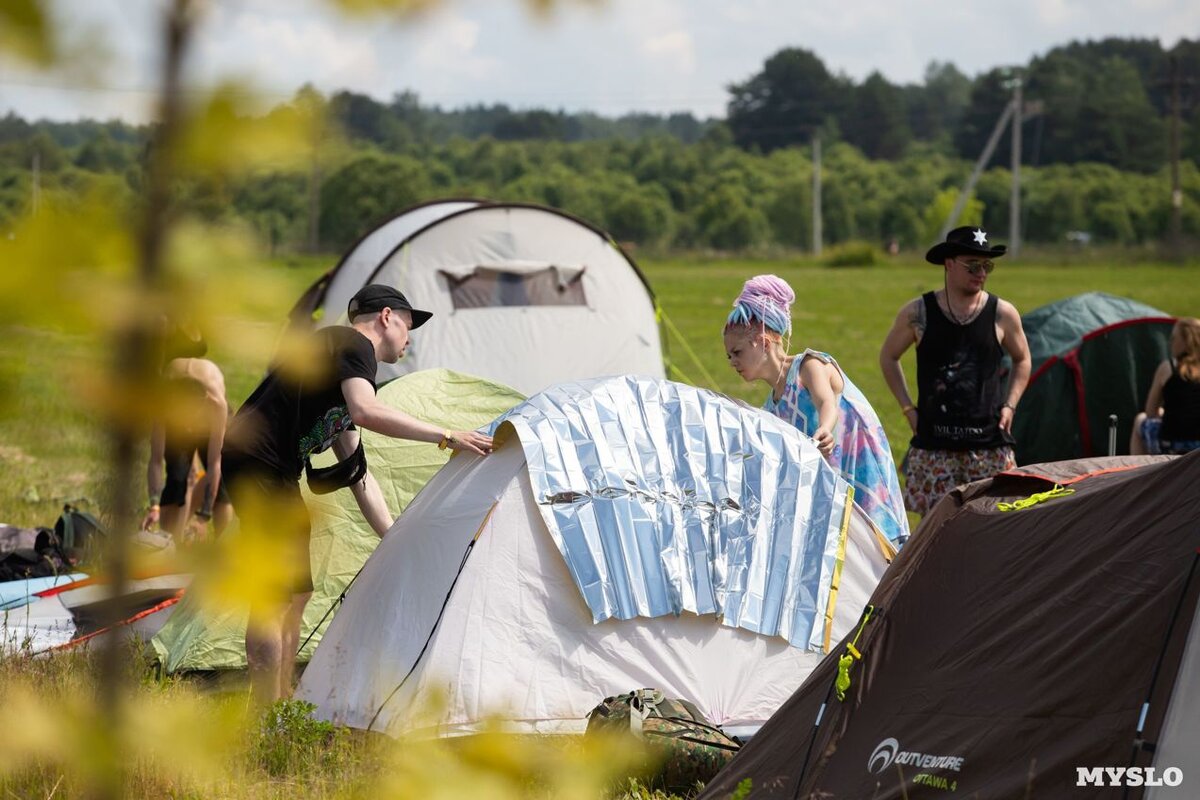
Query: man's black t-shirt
[286, 418]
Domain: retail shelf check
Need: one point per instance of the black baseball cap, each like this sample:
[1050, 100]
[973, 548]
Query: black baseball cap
[377, 296]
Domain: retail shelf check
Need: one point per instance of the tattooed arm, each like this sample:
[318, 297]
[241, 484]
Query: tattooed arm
[906, 331]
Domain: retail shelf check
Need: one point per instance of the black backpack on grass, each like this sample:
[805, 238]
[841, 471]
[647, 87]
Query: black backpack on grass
[30, 553]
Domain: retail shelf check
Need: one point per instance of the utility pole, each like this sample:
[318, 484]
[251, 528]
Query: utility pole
[1176, 188]
[1014, 200]
[816, 196]
[314, 197]
[984, 157]
[36, 200]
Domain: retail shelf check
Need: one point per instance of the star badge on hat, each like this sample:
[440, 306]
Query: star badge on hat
[980, 236]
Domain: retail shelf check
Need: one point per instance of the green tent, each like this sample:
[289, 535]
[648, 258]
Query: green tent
[1094, 355]
[341, 539]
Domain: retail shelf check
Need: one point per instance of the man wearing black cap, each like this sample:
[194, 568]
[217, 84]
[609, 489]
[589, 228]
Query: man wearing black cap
[304, 408]
[962, 421]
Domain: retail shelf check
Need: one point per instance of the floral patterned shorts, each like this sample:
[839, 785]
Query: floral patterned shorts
[931, 474]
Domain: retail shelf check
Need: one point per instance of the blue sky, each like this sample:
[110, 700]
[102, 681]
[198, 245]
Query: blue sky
[609, 57]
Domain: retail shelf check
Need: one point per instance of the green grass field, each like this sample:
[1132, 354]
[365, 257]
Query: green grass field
[52, 450]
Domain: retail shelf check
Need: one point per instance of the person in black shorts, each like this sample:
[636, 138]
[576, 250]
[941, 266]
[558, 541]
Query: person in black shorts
[192, 422]
[299, 410]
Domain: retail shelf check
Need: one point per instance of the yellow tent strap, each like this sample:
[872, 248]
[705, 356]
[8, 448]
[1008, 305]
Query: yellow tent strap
[838, 564]
[842, 682]
[1034, 499]
[662, 314]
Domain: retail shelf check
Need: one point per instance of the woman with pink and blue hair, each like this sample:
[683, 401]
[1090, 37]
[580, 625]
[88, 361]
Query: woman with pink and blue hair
[811, 392]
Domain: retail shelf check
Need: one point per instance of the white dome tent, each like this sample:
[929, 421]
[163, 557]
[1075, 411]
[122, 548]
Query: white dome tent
[626, 533]
[334, 289]
[521, 294]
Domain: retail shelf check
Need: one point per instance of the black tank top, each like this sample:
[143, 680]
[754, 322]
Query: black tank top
[959, 381]
[1181, 408]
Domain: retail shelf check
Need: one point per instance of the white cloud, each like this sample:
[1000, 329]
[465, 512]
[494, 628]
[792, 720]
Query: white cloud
[623, 55]
[448, 48]
[676, 48]
[282, 53]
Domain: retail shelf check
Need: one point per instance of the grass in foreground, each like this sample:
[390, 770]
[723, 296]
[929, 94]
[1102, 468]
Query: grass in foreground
[179, 742]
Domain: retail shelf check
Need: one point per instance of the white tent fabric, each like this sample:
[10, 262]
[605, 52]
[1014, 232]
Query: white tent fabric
[612, 330]
[515, 639]
[36, 626]
[362, 259]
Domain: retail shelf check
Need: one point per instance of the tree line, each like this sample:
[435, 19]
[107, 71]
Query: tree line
[1105, 102]
[894, 156]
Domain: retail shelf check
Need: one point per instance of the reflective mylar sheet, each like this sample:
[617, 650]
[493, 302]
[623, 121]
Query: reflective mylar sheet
[666, 498]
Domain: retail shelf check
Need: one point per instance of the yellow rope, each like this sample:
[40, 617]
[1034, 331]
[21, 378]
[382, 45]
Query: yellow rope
[1034, 499]
[662, 314]
[683, 376]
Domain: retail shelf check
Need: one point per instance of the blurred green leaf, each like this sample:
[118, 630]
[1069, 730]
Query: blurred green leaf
[227, 134]
[27, 31]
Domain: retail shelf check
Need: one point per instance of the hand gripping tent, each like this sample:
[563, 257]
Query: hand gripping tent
[626, 533]
[1094, 355]
[521, 294]
[1013, 650]
[197, 639]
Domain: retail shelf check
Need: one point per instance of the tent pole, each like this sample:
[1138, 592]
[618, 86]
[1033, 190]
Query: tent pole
[1138, 742]
[863, 620]
[341, 598]
[812, 739]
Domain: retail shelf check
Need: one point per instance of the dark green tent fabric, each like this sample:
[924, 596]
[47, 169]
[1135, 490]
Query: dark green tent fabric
[1094, 355]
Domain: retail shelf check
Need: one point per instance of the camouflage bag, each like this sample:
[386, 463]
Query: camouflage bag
[684, 747]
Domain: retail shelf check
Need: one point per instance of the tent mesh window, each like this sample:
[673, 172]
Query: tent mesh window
[490, 288]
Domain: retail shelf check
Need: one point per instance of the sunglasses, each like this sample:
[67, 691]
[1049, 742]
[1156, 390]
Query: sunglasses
[978, 267]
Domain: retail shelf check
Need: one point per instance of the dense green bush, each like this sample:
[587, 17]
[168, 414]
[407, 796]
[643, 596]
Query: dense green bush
[853, 254]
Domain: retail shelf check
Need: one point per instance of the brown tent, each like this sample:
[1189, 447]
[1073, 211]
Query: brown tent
[1012, 654]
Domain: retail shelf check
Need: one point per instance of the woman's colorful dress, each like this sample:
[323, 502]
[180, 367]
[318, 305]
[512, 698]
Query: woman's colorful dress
[860, 450]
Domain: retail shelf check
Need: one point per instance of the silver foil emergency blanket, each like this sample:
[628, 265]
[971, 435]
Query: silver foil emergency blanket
[665, 498]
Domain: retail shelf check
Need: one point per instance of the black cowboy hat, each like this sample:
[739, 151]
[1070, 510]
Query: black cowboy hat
[969, 240]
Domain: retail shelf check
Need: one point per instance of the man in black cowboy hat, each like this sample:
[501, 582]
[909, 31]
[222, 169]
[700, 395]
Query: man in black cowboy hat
[962, 420]
[299, 410]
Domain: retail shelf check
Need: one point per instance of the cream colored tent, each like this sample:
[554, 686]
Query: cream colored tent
[626, 533]
[523, 295]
